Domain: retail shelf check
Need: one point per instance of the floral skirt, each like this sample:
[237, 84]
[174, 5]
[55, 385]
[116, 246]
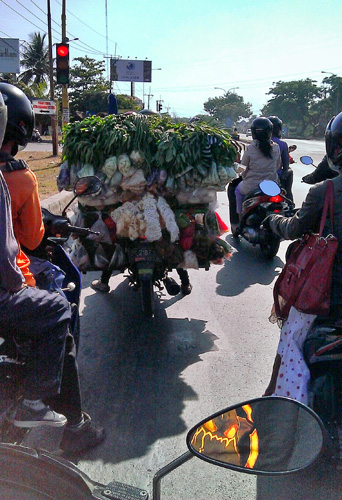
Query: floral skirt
[293, 375]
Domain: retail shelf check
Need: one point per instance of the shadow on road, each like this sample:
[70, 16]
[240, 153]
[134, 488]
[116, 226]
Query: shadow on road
[246, 268]
[320, 482]
[131, 370]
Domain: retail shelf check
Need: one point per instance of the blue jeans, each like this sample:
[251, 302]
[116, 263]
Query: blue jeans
[37, 321]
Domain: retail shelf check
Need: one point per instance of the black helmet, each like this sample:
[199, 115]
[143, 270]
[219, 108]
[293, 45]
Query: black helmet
[333, 142]
[277, 125]
[3, 118]
[20, 117]
[261, 129]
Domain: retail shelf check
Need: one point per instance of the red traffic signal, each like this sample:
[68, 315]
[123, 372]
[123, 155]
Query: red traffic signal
[62, 50]
[62, 63]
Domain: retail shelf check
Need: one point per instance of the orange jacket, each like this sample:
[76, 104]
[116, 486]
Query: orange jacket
[27, 216]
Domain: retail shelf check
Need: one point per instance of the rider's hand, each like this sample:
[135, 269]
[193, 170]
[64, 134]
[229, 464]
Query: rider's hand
[266, 224]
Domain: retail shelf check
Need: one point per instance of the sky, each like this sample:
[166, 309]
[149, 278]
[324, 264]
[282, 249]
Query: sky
[198, 45]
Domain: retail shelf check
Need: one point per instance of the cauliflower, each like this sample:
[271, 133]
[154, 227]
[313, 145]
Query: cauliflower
[136, 159]
[153, 228]
[168, 217]
[124, 166]
[109, 168]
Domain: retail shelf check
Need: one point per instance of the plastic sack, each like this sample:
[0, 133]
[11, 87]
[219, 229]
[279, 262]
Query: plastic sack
[76, 218]
[100, 259]
[86, 170]
[186, 237]
[79, 256]
[190, 260]
[100, 227]
[118, 260]
[63, 179]
[196, 196]
[47, 275]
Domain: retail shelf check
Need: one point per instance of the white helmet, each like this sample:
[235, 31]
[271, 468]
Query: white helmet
[3, 118]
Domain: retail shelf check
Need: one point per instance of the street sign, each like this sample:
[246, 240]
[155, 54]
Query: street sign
[9, 55]
[127, 70]
[41, 107]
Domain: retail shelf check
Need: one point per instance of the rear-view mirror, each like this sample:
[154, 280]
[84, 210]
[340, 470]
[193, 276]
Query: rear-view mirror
[271, 435]
[90, 185]
[270, 188]
[307, 160]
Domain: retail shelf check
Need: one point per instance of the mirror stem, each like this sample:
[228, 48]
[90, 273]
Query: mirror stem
[68, 205]
[166, 470]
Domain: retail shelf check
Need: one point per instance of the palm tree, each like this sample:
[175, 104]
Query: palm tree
[36, 60]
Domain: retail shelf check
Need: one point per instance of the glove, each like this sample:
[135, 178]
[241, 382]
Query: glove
[266, 223]
[308, 179]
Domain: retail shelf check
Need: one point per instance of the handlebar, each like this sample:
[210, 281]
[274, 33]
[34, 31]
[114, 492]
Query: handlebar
[66, 227]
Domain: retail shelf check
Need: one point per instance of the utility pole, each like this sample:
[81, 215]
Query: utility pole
[65, 98]
[149, 95]
[54, 118]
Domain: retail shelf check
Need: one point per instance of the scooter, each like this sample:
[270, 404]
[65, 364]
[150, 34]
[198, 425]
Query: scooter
[266, 200]
[249, 437]
[36, 137]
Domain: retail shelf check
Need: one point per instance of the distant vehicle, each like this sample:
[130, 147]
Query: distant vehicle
[249, 132]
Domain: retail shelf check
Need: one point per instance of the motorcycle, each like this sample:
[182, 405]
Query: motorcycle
[266, 200]
[147, 263]
[36, 137]
[249, 437]
[65, 279]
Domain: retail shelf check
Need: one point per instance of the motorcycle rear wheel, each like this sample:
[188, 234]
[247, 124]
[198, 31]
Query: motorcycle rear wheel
[270, 250]
[147, 297]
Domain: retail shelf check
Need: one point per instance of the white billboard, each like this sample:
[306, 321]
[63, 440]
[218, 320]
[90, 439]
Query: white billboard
[130, 70]
[41, 107]
[9, 55]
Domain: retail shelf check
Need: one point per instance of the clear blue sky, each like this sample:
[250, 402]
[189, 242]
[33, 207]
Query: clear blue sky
[199, 44]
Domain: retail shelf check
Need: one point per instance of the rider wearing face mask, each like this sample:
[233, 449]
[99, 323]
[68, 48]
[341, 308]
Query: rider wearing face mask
[21, 181]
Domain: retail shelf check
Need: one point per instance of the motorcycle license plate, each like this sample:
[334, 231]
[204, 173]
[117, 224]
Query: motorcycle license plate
[143, 254]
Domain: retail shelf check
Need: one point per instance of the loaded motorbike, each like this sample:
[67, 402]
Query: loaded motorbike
[54, 271]
[147, 262]
[249, 437]
[268, 199]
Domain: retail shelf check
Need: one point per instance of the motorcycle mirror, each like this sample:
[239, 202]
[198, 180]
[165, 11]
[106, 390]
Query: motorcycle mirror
[269, 435]
[307, 160]
[270, 188]
[87, 185]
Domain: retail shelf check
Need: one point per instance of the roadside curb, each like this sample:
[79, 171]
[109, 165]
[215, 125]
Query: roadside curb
[57, 202]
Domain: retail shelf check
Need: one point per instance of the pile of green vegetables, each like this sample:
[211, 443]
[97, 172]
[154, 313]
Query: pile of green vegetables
[163, 145]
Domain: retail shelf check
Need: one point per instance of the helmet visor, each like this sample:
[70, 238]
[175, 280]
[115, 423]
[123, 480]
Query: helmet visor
[3, 120]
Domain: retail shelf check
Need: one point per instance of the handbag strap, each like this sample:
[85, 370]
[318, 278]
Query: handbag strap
[328, 205]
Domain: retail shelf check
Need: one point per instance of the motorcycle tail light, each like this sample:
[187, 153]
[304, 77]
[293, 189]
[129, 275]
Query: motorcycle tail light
[277, 211]
[276, 199]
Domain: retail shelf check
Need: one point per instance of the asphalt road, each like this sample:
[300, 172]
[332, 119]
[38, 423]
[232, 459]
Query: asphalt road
[150, 381]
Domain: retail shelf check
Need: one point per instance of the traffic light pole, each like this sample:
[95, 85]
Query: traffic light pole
[65, 98]
[54, 118]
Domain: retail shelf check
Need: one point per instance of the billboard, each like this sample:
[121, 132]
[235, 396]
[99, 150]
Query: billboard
[9, 55]
[127, 70]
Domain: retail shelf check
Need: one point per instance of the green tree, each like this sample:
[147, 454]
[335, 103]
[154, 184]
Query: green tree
[333, 93]
[36, 60]
[88, 89]
[292, 102]
[231, 105]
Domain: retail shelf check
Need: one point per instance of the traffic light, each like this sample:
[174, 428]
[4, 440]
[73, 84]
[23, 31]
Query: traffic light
[62, 63]
[159, 105]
